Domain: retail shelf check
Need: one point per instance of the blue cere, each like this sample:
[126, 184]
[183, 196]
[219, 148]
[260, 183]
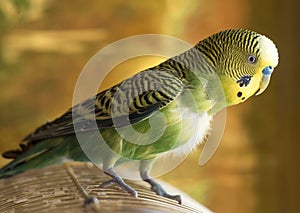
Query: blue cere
[267, 70]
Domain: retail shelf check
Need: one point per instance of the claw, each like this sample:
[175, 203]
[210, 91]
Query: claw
[159, 190]
[145, 168]
[120, 183]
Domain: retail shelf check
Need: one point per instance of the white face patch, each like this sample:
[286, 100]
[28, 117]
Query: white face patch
[268, 51]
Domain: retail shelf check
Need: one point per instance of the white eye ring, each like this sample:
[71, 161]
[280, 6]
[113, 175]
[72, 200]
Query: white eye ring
[252, 59]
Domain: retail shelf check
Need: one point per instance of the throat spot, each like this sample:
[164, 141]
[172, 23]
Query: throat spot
[244, 80]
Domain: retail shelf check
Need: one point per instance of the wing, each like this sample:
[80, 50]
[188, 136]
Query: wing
[131, 101]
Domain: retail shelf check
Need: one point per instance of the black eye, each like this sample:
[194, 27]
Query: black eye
[251, 59]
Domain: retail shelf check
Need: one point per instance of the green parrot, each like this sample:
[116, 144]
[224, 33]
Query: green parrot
[156, 111]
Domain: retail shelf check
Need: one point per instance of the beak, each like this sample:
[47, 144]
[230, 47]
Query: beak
[267, 71]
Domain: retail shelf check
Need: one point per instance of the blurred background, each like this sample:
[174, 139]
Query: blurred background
[45, 44]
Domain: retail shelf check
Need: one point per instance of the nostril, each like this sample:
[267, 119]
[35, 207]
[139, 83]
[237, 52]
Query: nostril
[267, 70]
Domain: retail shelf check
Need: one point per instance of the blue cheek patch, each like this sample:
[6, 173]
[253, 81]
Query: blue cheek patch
[244, 80]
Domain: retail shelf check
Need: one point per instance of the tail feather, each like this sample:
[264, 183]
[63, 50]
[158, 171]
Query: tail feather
[30, 158]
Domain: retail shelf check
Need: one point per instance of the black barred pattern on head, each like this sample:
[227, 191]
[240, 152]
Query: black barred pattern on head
[243, 38]
[219, 47]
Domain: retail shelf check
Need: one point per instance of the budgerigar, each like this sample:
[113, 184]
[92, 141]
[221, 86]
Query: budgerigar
[188, 89]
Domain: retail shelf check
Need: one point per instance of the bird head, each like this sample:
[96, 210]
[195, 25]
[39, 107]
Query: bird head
[244, 61]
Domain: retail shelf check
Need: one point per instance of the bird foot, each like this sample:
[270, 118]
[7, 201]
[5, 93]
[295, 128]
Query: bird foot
[159, 190]
[120, 183]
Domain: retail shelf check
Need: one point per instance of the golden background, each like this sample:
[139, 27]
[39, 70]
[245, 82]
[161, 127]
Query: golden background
[46, 43]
